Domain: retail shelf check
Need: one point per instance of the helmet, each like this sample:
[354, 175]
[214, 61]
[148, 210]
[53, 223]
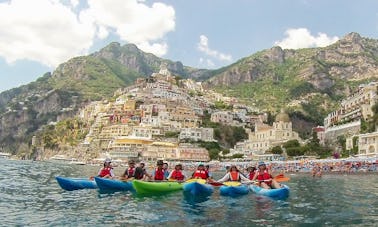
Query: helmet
[107, 160]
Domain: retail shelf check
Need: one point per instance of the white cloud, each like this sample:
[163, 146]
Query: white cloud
[302, 38]
[134, 21]
[203, 46]
[43, 31]
[52, 31]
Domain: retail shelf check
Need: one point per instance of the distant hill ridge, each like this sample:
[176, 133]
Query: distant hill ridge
[308, 82]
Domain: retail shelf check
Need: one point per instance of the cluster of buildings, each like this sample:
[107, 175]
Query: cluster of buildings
[157, 119]
[346, 121]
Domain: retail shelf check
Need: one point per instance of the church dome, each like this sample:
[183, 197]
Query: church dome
[284, 117]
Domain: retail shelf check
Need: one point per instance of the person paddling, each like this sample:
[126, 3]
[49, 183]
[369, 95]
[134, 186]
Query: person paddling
[264, 177]
[107, 170]
[130, 171]
[233, 175]
[201, 173]
[158, 174]
[251, 171]
[177, 174]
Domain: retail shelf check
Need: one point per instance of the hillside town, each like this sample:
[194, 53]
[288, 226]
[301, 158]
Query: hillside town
[160, 117]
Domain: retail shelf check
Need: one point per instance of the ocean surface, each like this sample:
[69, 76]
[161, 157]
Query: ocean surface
[30, 196]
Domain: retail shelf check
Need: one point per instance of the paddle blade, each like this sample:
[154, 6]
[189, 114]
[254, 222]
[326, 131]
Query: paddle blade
[216, 184]
[232, 183]
[281, 179]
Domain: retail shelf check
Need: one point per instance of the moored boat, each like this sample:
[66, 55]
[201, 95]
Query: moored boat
[279, 193]
[148, 187]
[233, 190]
[107, 184]
[70, 184]
[198, 188]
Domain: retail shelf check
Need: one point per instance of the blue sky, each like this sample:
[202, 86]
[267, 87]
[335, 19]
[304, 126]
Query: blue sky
[36, 36]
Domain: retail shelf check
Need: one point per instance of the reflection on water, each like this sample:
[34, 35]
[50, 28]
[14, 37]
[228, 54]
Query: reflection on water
[31, 196]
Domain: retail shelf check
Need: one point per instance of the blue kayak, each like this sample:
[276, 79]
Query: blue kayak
[233, 190]
[107, 184]
[196, 188]
[71, 184]
[279, 193]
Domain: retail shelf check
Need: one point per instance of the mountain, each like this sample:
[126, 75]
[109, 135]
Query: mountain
[58, 95]
[309, 82]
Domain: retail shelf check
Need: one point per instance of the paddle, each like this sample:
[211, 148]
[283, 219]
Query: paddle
[281, 178]
[227, 183]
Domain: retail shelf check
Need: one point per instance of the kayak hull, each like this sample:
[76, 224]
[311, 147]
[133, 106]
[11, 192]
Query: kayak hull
[196, 188]
[71, 184]
[279, 193]
[233, 190]
[145, 187]
[106, 184]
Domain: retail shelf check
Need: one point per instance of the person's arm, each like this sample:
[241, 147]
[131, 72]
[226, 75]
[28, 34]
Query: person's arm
[170, 175]
[224, 178]
[243, 178]
[98, 174]
[112, 173]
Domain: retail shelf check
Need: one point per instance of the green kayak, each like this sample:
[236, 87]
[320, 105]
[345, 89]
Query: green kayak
[146, 187]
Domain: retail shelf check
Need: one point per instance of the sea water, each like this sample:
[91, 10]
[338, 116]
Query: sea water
[30, 196]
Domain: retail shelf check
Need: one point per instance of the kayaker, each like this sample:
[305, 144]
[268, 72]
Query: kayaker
[207, 168]
[141, 172]
[264, 177]
[176, 174]
[130, 171]
[166, 171]
[158, 174]
[107, 170]
[251, 172]
[200, 173]
[233, 175]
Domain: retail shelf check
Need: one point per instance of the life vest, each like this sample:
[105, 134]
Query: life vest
[262, 176]
[105, 171]
[201, 174]
[159, 174]
[252, 175]
[234, 176]
[130, 172]
[177, 175]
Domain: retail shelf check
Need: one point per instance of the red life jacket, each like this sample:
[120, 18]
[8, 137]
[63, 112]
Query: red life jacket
[130, 172]
[252, 175]
[105, 171]
[159, 174]
[201, 174]
[262, 176]
[177, 175]
[234, 176]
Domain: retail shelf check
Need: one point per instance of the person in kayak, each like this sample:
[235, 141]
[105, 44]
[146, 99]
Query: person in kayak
[251, 171]
[166, 171]
[207, 168]
[264, 177]
[233, 175]
[158, 174]
[201, 173]
[107, 170]
[176, 174]
[130, 171]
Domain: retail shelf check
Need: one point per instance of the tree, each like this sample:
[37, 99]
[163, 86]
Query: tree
[291, 143]
[277, 150]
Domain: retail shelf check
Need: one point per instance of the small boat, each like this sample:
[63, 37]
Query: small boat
[107, 184]
[233, 189]
[152, 187]
[198, 188]
[70, 184]
[279, 193]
